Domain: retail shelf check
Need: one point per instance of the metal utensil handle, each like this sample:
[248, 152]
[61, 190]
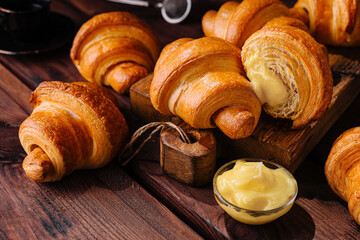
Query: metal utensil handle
[140, 3]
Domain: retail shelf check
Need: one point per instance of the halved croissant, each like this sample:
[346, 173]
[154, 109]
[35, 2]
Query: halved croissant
[200, 81]
[342, 169]
[289, 72]
[115, 49]
[73, 126]
[335, 22]
[235, 22]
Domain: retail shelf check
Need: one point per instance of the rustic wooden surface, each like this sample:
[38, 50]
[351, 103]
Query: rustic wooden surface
[140, 201]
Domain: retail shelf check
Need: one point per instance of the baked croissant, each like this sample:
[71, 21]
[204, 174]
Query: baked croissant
[289, 72]
[73, 126]
[342, 169]
[115, 49]
[201, 82]
[235, 22]
[335, 22]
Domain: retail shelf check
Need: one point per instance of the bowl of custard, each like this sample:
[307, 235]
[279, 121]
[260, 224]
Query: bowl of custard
[254, 191]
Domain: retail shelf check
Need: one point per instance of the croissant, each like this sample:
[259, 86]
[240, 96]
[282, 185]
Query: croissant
[115, 49]
[201, 81]
[235, 22]
[73, 126]
[334, 22]
[342, 169]
[289, 72]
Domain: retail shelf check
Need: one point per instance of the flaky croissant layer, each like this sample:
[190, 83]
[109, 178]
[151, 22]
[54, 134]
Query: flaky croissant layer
[342, 169]
[115, 49]
[73, 126]
[289, 72]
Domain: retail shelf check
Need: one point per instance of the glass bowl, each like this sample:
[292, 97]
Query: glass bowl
[253, 217]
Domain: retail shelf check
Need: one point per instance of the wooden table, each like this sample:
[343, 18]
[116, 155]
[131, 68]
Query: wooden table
[139, 201]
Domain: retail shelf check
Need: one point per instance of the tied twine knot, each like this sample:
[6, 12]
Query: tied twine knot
[128, 153]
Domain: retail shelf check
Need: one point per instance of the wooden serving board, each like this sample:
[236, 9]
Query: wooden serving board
[273, 139]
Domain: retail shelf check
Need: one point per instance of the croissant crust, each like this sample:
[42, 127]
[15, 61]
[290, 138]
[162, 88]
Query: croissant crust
[342, 169]
[115, 49]
[201, 81]
[235, 22]
[73, 126]
[334, 22]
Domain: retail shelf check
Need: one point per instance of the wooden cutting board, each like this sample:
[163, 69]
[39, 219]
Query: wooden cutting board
[273, 139]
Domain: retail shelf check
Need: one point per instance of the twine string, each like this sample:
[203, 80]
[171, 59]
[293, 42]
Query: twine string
[159, 127]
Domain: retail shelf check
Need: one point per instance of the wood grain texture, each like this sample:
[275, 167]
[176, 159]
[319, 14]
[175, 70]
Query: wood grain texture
[14, 104]
[97, 204]
[109, 203]
[141, 105]
[191, 163]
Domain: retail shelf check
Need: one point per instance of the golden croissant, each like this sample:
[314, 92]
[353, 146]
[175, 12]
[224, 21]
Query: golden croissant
[201, 81]
[342, 169]
[289, 72]
[335, 22]
[235, 22]
[73, 126]
[115, 49]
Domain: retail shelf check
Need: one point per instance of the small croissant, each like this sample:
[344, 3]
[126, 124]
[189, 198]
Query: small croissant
[201, 81]
[335, 22]
[342, 169]
[115, 49]
[73, 126]
[235, 21]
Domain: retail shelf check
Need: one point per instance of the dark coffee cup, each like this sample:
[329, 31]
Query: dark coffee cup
[24, 20]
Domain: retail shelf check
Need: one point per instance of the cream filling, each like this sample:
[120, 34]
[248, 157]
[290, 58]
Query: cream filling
[268, 86]
[253, 186]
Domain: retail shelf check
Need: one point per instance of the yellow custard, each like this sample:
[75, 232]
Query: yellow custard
[259, 194]
[268, 87]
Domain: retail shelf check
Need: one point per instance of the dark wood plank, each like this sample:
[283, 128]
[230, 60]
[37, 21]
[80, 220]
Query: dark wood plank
[103, 203]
